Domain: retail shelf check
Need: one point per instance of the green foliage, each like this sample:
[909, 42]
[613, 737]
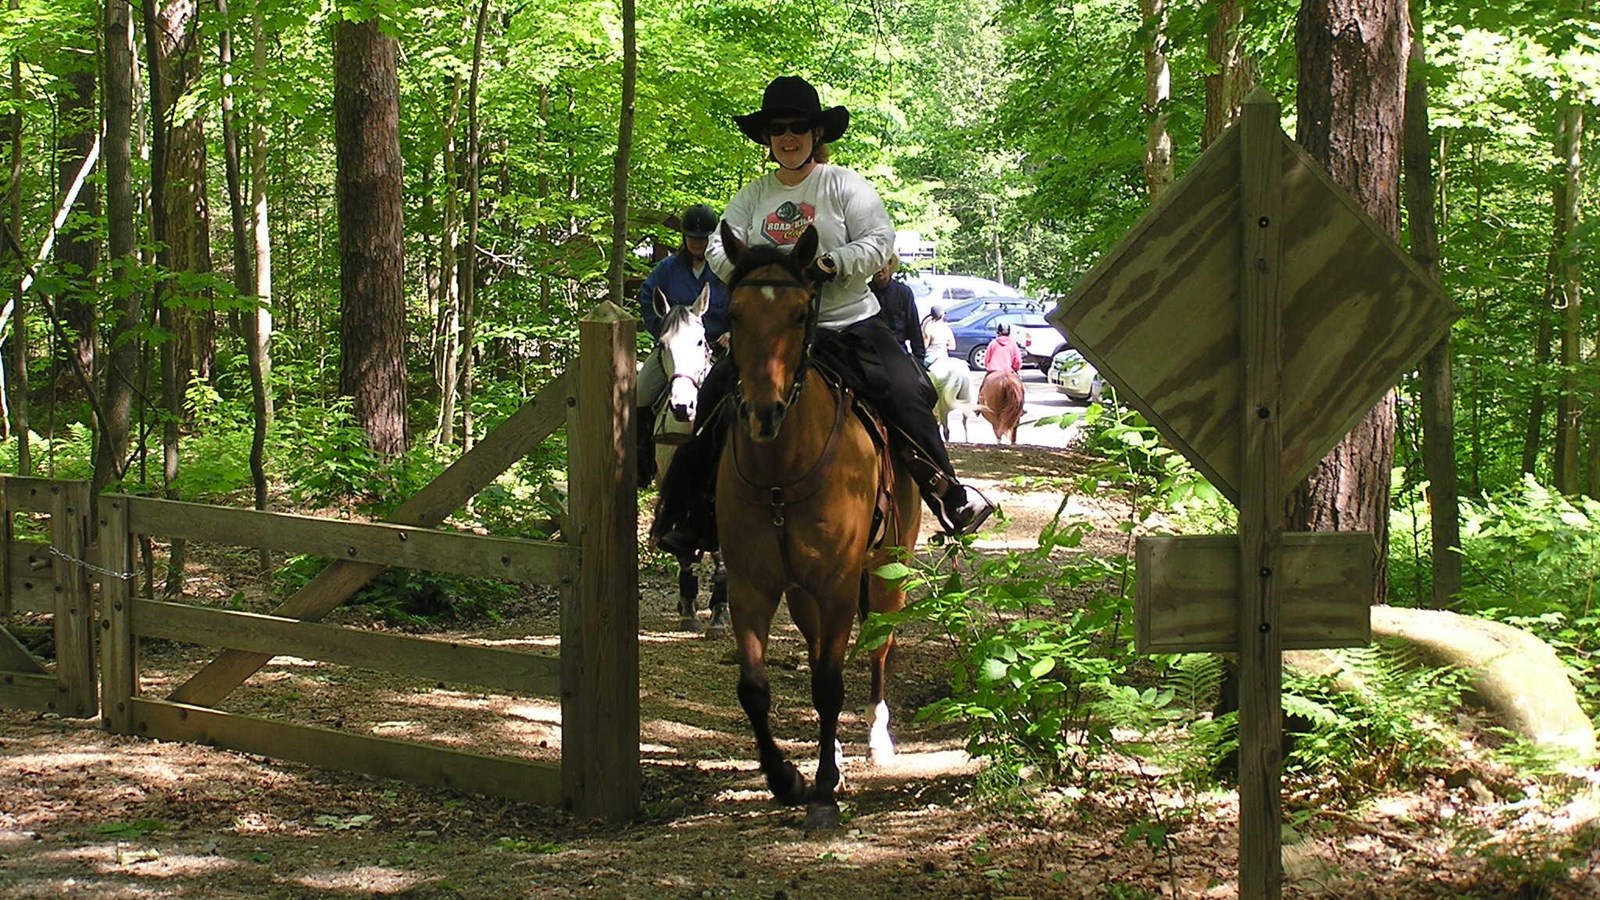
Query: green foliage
[410, 598]
[1532, 559]
[1384, 716]
[1030, 670]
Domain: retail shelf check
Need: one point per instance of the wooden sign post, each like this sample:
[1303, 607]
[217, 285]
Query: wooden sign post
[1254, 315]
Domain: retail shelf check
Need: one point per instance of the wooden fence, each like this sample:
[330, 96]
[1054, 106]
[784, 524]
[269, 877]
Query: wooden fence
[596, 675]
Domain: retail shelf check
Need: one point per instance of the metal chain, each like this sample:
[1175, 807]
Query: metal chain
[125, 576]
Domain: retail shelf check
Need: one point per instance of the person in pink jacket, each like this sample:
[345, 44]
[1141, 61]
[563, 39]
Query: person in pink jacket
[1003, 354]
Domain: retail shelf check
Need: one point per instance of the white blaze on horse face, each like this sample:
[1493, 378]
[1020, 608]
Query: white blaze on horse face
[769, 293]
[685, 359]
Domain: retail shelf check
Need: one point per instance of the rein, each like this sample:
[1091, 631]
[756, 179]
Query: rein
[778, 497]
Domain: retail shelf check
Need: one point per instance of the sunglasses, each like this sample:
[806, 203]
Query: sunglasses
[779, 129]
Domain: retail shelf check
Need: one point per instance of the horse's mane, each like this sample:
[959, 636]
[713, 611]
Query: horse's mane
[764, 255]
[675, 317]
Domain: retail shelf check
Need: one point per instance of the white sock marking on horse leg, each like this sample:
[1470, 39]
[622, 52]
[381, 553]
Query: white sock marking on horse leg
[878, 734]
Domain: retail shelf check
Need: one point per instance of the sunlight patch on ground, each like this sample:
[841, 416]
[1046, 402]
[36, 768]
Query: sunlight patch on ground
[542, 641]
[664, 730]
[368, 879]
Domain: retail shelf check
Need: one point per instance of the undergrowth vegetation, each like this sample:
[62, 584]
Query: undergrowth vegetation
[1054, 697]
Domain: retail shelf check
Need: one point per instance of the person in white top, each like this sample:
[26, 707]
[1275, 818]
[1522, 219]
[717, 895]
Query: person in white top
[855, 239]
[937, 336]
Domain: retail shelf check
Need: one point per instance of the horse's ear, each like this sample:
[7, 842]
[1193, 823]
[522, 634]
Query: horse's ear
[731, 244]
[805, 249]
[702, 302]
[661, 304]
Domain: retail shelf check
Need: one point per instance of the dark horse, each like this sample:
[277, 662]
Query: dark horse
[796, 490]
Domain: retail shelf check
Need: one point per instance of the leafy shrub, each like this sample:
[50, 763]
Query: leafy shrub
[1027, 671]
[411, 598]
[1532, 559]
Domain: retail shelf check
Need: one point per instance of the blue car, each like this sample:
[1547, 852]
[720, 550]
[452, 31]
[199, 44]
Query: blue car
[974, 333]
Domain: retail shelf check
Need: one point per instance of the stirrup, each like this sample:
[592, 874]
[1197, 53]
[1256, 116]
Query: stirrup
[969, 516]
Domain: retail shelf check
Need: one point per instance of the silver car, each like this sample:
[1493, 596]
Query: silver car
[1072, 375]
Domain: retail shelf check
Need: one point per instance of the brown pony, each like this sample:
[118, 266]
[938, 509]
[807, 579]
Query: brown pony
[1000, 402]
[796, 490]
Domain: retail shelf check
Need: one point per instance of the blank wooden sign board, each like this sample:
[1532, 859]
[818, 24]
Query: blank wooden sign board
[1253, 316]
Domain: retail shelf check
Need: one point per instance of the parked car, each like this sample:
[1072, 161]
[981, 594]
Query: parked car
[961, 309]
[974, 333]
[948, 290]
[1072, 375]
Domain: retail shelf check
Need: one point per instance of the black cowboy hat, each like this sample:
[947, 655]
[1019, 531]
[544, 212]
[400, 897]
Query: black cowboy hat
[792, 97]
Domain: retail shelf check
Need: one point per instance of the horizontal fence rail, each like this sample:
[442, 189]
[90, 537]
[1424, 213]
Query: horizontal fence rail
[515, 671]
[530, 780]
[400, 546]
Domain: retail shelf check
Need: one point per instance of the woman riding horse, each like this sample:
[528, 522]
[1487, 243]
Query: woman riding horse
[855, 239]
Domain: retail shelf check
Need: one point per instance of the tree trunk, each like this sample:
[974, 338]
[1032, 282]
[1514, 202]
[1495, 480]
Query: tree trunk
[619, 170]
[188, 207]
[1533, 436]
[78, 251]
[1235, 72]
[173, 378]
[17, 264]
[447, 328]
[261, 238]
[1568, 293]
[111, 440]
[243, 277]
[1438, 393]
[1350, 106]
[1158, 166]
[469, 257]
[372, 321]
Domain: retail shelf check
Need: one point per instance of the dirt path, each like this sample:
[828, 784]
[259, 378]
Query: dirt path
[84, 813]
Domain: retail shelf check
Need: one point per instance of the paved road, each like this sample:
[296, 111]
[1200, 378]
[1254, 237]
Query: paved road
[1040, 399]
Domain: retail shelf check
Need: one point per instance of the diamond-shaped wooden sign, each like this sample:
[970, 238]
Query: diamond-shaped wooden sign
[1159, 315]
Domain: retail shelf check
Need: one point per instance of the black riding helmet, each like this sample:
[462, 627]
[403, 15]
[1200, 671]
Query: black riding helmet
[699, 221]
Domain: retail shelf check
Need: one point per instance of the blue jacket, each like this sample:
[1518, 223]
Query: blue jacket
[675, 277]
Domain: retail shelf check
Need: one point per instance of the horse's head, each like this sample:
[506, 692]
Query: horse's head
[685, 355]
[773, 315]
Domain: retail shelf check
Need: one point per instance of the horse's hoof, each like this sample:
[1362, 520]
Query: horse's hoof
[792, 793]
[690, 624]
[883, 759]
[719, 618]
[822, 817]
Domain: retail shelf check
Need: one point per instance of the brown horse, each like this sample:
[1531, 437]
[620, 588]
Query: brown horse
[1000, 402]
[796, 490]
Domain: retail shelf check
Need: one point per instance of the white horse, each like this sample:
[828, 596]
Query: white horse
[685, 358]
[956, 395]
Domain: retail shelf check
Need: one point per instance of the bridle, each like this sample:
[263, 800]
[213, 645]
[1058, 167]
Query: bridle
[813, 315]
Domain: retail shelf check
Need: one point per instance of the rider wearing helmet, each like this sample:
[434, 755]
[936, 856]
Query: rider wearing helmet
[679, 278]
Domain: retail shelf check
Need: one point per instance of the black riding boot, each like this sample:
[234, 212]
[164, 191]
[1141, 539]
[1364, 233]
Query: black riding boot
[645, 418]
[686, 513]
[961, 510]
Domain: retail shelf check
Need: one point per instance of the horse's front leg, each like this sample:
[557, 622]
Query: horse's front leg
[827, 645]
[719, 593]
[752, 622]
[688, 590]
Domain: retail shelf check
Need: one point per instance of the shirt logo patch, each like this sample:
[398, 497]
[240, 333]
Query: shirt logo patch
[785, 224]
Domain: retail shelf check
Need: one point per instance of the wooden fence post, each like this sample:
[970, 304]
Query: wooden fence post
[118, 674]
[74, 616]
[600, 612]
